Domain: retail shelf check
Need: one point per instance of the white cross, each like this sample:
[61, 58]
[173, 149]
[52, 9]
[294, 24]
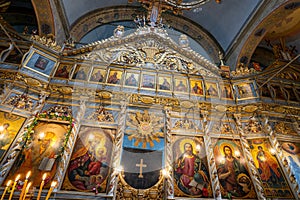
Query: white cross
[141, 165]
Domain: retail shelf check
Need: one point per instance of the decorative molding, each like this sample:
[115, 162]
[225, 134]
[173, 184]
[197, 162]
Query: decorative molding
[169, 155]
[251, 165]
[116, 154]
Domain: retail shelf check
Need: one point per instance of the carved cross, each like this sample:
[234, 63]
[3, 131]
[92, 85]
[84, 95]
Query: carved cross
[141, 165]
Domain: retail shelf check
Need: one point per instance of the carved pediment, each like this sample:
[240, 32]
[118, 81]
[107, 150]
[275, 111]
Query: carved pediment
[151, 48]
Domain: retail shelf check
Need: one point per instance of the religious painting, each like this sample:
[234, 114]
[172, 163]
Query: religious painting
[148, 80]
[90, 161]
[196, 87]
[291, 151]
[98, 75]
[131, 79]
[226, 91]
[63, 70]
[114, 76]
[40, 63]
[274, 182]
[212, 89]
[245, 90]
[232, 170]
[10, 125]
[164, 83]
[81, 72]
[180, 85]
[190, 167]
[41, 152]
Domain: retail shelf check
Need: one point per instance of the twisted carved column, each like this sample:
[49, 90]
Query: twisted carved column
[17, 146]
[215, 184]
[116, 154]
[252, 168]
[286, 167]
[169, 155]
[63, 164]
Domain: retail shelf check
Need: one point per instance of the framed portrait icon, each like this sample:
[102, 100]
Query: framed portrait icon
[40, 63]
[148, 80]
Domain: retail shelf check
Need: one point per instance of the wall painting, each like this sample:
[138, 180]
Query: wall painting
[164, 82]
[98, 75]
[40, 152]
[63, 70]
[245, 90]
[274, 183]
[131, 79]
[40, 63]
[232, 170]
[10, 125]
[292, 153]
[180, 84]
[190, 167]
[212, 89]
[81, 72]
[90, 161]
[114, 76]
[196, 87]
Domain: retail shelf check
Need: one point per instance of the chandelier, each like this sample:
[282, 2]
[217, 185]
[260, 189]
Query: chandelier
[187, 4]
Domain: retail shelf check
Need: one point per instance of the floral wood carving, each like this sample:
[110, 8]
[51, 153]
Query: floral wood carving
[101, 115]
[21, 101]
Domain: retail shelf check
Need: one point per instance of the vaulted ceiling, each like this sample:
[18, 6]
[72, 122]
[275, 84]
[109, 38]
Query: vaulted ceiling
[236, 28]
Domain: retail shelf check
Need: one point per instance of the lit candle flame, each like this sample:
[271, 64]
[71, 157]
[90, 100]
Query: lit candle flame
[44, 176]
[17, 178]
[8, 183]
[53, 184]
[28, 174]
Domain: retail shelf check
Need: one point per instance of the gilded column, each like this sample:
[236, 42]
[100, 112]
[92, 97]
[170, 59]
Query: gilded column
[215, 184]
[283, 161]
[63, 164]
[117, 150]
[169, 155]
[252, 168]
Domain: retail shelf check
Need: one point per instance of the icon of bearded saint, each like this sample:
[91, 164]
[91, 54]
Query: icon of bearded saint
[190, 172]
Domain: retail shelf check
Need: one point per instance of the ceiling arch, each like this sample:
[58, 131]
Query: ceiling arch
[223, 21]
[44, 17]
[275, 19]
[98, 17]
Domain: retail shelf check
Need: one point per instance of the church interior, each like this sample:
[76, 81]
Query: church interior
[149, 99]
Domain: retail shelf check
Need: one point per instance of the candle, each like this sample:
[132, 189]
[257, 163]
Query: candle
[53, 184]
[13, 188]
[27, 189]
[6, 188]
[24, 186]
[41, 186]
